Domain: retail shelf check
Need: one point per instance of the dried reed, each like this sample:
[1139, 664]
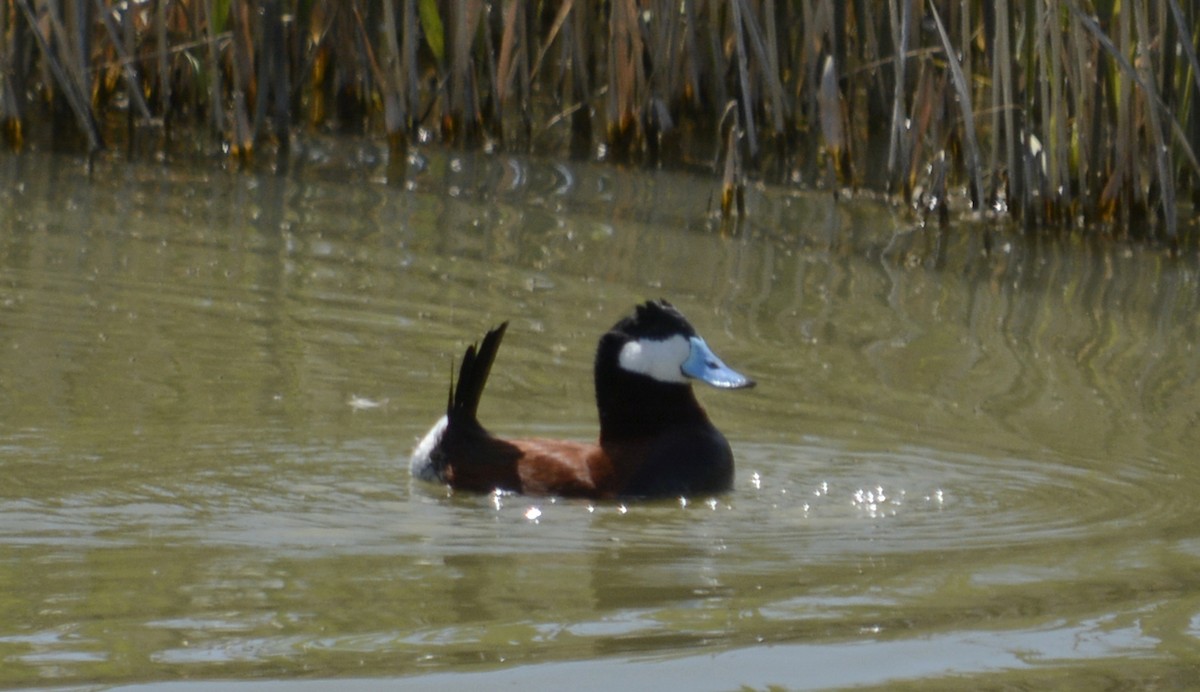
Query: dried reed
[1058, 113]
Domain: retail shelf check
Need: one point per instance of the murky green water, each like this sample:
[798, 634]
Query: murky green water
[959, 467]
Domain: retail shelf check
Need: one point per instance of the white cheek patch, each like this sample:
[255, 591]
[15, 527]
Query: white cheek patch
[660, 360]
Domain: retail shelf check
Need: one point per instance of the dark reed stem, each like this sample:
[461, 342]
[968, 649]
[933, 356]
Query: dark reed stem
[965, 104]
[71, 89]
[128, 65]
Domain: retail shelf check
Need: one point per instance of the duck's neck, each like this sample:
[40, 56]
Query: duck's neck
[633, 406]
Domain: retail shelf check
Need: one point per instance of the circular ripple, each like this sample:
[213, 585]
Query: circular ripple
[926, 499]
[827, 504]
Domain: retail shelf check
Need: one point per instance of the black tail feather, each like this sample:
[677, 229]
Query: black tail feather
[472, 376]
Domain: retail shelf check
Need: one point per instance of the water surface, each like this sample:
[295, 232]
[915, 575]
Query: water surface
[969, 459]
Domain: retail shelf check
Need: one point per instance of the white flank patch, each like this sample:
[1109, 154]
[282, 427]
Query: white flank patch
[660, 360]
[421, 461]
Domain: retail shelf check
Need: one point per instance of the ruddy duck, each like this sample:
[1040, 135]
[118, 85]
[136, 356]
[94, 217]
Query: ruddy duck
[655, 439]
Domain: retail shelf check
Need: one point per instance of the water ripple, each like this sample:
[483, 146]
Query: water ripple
[928, 499]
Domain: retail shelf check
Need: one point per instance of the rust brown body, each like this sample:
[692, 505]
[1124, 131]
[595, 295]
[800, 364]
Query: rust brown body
[536, 467]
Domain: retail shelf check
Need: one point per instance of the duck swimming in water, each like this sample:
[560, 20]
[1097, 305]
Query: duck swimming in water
[655, 438]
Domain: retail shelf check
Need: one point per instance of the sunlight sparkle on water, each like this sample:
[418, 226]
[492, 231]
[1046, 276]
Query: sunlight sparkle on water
[871, 501]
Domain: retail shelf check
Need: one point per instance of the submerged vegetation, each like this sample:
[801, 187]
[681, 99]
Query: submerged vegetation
[1058, 113]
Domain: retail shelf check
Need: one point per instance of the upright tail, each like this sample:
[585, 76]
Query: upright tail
[454, 439]
[472, 376]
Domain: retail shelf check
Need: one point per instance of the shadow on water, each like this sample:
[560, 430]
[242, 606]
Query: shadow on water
[969, 456]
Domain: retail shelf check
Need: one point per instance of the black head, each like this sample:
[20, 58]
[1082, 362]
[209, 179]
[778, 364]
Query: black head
[655, 320]
[657, 342]
[645, 366]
